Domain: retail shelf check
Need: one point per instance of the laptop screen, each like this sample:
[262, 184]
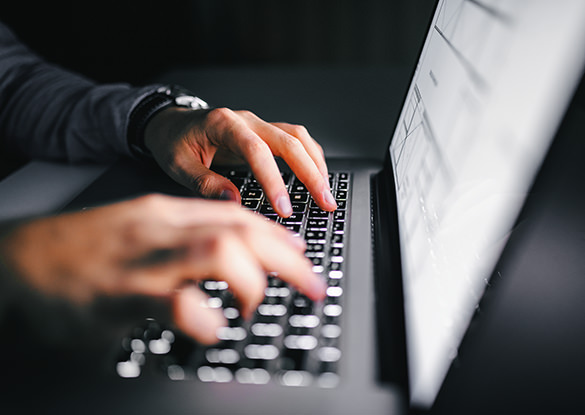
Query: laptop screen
[491, 85]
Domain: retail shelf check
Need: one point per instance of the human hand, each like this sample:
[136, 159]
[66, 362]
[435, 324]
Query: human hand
[159, 246]
[185, 142]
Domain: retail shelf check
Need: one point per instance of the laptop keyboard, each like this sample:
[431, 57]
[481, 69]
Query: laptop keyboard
[290, 339]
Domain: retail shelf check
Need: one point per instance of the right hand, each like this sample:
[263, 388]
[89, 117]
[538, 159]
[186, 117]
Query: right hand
[186, 142]
[158, 246]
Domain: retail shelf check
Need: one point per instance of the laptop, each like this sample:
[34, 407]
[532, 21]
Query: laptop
[421, 234]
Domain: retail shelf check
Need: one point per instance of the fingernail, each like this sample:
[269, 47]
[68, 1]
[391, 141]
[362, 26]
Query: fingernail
[227, 194]
[283, 205]
[329, 198]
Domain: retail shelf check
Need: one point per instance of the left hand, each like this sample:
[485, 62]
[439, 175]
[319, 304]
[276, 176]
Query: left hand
[185, 142]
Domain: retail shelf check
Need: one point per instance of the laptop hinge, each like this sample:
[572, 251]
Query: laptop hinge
[387, 280]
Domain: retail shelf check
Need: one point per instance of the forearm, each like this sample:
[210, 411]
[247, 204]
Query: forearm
[49, 113]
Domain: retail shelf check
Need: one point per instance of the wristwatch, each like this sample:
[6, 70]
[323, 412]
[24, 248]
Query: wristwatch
[163, 98]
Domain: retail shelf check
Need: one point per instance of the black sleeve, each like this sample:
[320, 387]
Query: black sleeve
[49, 113]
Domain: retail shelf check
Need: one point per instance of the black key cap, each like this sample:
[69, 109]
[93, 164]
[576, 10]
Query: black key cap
[299, 207]
[251, 204]
[338, 227]
[299, 198]
[294, 218]
[267, 209]
[315, 236]
[252, 194]
[318, 214]
[296, 228]
[298, 188]
[317, 224]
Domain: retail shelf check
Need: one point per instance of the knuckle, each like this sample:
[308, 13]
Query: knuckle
[254, 145]
[130, 233]
[246, 114]
[299, 130]
[152, 202]
[290, 141]
[219, 115]
[289, 144]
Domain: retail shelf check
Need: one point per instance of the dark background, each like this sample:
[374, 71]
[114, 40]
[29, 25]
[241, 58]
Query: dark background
[135, 41]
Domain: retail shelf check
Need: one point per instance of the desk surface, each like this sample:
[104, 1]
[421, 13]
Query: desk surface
[350, 111]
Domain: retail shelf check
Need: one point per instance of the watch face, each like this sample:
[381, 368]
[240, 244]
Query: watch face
[190, 102]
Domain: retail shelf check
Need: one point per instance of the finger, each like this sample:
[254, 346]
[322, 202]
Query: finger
[227, 129]
[313, 148]
[160, 219]
[194, 317]
[199, 178]
[294, 152]
[290, 264]
[233, 262]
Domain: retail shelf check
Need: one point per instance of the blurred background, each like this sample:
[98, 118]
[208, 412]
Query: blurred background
[136, 41]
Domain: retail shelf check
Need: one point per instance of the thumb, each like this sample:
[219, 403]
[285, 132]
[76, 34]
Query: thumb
[207, 183]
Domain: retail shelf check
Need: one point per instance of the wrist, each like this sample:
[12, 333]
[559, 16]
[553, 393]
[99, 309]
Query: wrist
[150, 106]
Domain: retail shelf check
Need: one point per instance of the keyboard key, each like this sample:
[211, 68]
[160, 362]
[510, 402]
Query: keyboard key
[251, 204]
[317, 224]
[332, 310]
[339, 215]
[329, 354]
[331, 331]
[298, 188]
[295, 218]
[231, 333]
[318, 214]
[299, 207]
[296, 228]
[296, 378]
[307, 321]
[307, 342]
[266, 329]
[252, 194]
[334, 291]
[299, 198]
[328, 380]
[277, 310]
[315, 237]
[261, 351]
[267, 209]
[339, 227]
[336, 274]
[223, 356]
[255, 376]
[214, 374]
